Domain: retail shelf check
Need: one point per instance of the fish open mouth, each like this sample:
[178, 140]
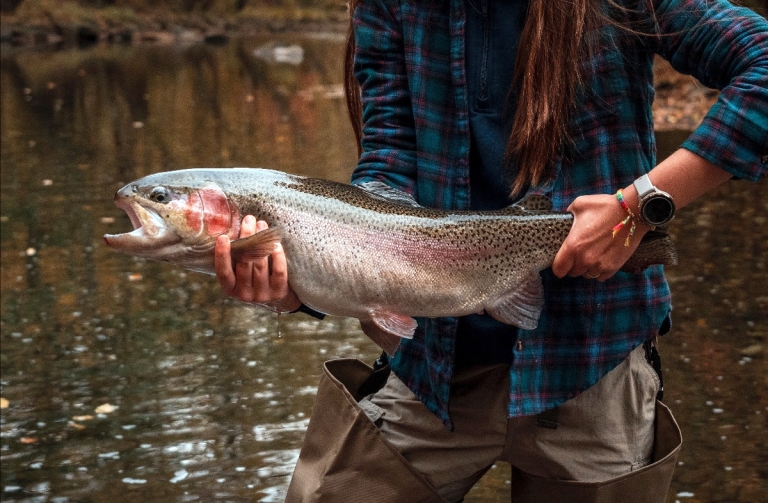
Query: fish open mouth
[149, 230]
[128, 208]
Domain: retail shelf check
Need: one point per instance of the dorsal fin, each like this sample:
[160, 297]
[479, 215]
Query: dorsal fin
[381, 190]
[529, 205]
[535, 202]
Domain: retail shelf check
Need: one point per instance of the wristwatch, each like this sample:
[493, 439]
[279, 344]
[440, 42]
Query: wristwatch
[656, 206]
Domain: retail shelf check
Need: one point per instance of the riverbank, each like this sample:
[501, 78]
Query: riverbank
[69, 25]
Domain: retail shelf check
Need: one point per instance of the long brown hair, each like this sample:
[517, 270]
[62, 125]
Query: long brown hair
[548, 71]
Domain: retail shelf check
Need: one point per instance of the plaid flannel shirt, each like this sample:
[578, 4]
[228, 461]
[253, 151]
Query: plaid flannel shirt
[410, 64]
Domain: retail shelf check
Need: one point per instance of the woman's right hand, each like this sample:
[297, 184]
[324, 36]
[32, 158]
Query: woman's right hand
[252, 281]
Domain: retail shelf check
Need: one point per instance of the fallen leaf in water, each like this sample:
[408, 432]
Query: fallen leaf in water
[76, 426]
[105, 409]
[107, 220]
[135, 277]
[28, 440]
[4, 403]
[82, 418]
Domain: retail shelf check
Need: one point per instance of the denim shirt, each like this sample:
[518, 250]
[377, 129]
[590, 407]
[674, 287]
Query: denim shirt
[410, 62]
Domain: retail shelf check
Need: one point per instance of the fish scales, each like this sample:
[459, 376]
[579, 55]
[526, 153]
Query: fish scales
[428, 247]
[370, 254]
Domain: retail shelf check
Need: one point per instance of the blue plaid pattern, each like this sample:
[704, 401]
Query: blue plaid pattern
[410, 64]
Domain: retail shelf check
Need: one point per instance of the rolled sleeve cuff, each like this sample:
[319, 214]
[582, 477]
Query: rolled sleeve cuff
[732, 141]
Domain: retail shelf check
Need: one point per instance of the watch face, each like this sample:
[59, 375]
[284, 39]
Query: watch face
[658, 210]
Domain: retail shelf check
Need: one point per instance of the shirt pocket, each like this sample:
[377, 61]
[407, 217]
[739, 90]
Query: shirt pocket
[600, 96]
[600, 104]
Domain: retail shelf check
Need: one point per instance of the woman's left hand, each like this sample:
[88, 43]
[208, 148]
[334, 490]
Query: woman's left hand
[590, 250]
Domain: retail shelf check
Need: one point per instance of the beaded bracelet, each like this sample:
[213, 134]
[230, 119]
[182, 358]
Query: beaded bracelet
[630, 217]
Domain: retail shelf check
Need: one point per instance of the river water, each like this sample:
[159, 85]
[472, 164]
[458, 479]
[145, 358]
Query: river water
[124, 380]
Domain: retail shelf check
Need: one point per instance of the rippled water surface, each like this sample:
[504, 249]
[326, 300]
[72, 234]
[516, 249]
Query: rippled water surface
[127, 381]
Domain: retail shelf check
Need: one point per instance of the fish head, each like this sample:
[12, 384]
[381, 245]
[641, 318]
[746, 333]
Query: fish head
[174, 221]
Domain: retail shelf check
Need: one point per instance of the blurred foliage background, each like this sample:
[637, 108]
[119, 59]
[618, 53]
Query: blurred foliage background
[220, 7]
[30, 9]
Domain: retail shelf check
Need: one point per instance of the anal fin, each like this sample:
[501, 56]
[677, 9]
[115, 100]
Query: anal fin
[522, 306]
[386, 329]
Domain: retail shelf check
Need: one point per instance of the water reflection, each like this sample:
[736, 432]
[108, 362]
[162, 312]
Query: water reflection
[209, 398]
[208, 404]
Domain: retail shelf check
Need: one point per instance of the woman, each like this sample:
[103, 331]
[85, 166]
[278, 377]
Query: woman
[471, 104]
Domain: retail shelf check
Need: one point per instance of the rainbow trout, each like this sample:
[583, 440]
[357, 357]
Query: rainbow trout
[368, 252]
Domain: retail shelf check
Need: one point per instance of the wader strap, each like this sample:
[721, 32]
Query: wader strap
[377, 379]
[548, 419]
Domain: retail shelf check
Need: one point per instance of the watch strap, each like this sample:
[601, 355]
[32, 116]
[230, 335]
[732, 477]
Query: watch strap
[643, 186]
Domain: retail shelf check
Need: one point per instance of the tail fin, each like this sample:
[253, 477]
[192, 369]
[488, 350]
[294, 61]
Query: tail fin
[656, 247]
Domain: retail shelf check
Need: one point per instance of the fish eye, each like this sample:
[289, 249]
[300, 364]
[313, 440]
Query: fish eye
[159, 195]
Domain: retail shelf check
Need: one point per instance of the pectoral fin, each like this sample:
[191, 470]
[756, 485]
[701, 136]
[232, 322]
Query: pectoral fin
[260, 245]
[386, 329]
[522, 306]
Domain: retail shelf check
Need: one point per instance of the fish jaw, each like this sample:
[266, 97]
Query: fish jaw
[181, 227]
[150, 238]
